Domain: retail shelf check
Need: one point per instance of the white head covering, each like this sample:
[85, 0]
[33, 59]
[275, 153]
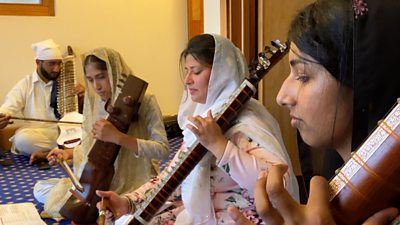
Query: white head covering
[93, 105]
[228, 72]
[47, 50]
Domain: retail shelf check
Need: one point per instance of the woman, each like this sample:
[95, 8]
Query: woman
[320, 96]
[145, 140]
[214, 70]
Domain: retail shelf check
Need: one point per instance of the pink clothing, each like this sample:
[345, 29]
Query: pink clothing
[232, 181]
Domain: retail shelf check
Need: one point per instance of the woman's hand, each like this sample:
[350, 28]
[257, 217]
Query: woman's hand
[117, 206]
[104, 130]
[209, 134]
[56, 154]
[276, 207]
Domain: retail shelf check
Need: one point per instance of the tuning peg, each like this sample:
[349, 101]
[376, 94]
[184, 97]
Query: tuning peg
[268, 49]
[112, 110]
[261, 54]
[279, 45]
[264, 61]
[128, 100]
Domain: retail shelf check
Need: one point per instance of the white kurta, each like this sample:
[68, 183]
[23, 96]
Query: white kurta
[30, 98]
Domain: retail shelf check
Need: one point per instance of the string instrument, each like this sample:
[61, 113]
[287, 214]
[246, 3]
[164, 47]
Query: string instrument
[99, 170]
[67, 103]
[189, 159]
[369, 181]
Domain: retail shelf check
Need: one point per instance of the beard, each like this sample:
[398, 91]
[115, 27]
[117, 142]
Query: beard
[49, 76]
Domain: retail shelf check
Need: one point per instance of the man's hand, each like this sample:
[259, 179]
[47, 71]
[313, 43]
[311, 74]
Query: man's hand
[80, 91]
[4, 120]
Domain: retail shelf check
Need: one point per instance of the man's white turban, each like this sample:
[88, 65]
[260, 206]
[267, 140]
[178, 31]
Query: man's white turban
[47, 50]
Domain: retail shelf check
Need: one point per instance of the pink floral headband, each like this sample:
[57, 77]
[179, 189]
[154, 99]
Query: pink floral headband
[360, 8]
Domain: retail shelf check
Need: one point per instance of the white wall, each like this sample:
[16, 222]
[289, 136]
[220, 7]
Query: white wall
[212, 18]
[149, 34]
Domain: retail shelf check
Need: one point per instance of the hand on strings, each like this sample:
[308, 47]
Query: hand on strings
[55, 155]
[4, 120]
[276, 207]
[104, 130]
[117, 206]
[208, 133]
[80, 91]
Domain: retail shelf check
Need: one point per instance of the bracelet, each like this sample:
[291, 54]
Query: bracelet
[131, 205]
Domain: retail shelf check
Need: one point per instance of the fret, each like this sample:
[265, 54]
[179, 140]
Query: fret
[66, 97]
[369, 147]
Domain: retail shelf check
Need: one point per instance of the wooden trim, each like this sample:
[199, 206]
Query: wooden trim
[246, 30]
[260, 42]
[235, 26]
[45, 8]
[224, 18]
[249, 29]
[241, 25]
[195, 17]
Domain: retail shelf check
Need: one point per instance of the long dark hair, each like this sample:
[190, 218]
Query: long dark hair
[202, 48]
[324, 30]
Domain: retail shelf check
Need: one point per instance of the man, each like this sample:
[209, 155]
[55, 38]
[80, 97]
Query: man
[32, 97]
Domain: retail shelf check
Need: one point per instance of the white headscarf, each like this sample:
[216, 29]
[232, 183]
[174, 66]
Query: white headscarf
[229, 70]
[93, 105]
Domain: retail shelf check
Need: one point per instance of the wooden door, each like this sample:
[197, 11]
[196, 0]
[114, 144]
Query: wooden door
[274, 20]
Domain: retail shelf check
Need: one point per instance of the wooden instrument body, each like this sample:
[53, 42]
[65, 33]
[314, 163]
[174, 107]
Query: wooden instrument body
[188, 160]
[369, 181]
[99, 170]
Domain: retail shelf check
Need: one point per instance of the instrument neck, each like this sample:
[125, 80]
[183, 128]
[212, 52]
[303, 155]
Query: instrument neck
[66, 98]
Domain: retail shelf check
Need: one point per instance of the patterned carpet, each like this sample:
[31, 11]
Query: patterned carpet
[17, 180]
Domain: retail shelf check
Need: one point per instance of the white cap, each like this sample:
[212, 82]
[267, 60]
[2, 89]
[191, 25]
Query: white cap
[47, 50]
